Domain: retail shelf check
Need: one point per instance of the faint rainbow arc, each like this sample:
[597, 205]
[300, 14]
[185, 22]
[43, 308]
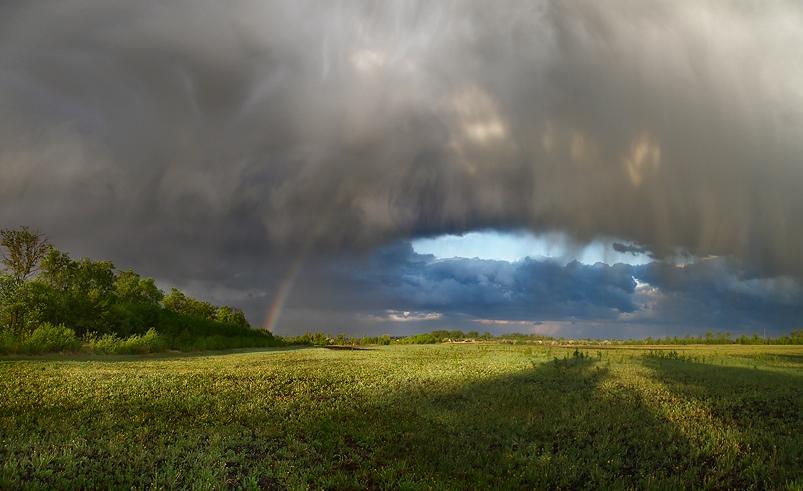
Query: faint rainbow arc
[282, 294]
[276, 307]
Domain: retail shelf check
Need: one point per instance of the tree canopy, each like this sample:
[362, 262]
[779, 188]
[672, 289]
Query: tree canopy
[21, 251]
[42, 284]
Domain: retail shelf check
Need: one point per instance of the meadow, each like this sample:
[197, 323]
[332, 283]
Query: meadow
[447, 416]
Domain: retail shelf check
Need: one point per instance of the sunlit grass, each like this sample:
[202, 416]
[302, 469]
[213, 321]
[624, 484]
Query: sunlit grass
[443, 416]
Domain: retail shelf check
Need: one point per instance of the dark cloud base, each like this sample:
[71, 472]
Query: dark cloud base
[366, 294]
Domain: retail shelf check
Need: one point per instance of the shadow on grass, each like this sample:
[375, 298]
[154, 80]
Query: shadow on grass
[765, 407]
[731, 386]
[566, 424]
[781, 360]
[547, 427]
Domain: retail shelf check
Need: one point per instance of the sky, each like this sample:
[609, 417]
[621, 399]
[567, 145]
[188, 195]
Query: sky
[517, 245]
[602, 169]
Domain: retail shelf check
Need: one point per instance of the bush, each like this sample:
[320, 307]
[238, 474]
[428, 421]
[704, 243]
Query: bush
[106, 344]
[8, 343]
[420, 339]
[150, 342]
[47, 338]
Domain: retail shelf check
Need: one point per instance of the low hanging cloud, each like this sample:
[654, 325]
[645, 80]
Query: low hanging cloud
[629, 249]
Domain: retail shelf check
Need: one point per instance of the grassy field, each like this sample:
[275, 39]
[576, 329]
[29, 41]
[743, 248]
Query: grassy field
[443, 417]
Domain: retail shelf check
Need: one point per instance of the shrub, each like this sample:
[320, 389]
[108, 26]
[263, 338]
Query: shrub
[105, 344]
[48, 337]
[420, 339]
[8, 343]
[150, 342]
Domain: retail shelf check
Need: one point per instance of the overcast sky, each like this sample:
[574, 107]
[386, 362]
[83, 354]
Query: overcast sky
[621, 168]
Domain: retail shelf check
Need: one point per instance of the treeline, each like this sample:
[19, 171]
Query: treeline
[52, 302]
[457, 336]
[434, 337]
[795, 337]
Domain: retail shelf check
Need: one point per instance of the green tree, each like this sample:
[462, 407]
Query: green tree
[83, 290]
[132, 288]
[58, 270]
[136, 306]
[180, 303]
[26, 306]
[231, 316]
[21, 251]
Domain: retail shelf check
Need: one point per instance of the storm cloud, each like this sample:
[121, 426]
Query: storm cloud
[395, 289]
[203, 140]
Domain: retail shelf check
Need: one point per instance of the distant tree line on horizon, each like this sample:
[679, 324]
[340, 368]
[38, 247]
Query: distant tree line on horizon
[458, 336]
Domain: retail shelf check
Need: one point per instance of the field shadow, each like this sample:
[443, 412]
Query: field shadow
[779, 360]
[545, 427]
[764, 408]
[786, 356]
[573, 423]
[772, 391]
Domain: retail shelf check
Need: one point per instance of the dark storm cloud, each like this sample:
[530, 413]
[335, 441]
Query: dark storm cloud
[520, 290]
[629, 248]
[719, 294]
[371, 294]
[671, 124]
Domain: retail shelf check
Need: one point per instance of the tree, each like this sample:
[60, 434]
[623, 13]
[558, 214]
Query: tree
[22, 251]
[26, 307]
[132, 288]
[83, 291]
[180, 303]
[231, 316]
[58, 270]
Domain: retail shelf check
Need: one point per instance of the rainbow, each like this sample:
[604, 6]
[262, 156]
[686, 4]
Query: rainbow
[285, 287]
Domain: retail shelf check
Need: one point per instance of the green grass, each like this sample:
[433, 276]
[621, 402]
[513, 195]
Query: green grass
[442, 417]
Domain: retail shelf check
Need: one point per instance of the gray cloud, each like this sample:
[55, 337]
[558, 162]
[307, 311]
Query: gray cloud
[371, 293]
[197, 139]
[629, 248]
